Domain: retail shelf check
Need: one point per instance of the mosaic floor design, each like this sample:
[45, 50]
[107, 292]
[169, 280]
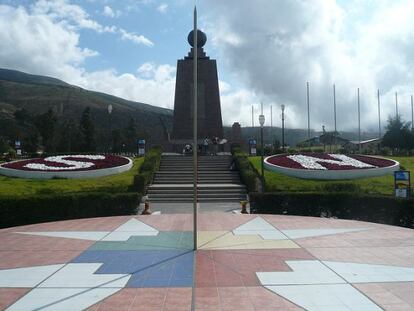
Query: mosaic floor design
[243, 262]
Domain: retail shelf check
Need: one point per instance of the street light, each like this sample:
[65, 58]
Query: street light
[283, 127]
[262, 121]
[110, 108]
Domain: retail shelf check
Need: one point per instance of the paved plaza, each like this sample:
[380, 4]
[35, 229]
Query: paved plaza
[243, 262]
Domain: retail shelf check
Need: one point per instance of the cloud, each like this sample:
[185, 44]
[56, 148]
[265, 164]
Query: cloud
[36, 44]
[152, 84]
[40, 44]
[162, 8]
[109, 12]
[70, 15]
[139, 39]
[275, 47]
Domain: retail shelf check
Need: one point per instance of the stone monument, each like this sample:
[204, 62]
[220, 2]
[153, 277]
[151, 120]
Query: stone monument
[209, 112]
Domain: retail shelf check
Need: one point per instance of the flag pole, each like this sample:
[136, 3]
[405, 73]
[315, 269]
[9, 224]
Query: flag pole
[359, 123]
[195, 115]
[307, 100]
[379, 114]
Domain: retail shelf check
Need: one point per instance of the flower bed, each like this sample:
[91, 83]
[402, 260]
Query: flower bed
[67, 166]
[330, 166]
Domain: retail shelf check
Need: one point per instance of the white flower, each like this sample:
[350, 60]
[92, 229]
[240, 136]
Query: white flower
[73, 164]
[312, 163]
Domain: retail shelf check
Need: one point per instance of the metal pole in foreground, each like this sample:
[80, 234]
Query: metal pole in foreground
[379, 114]
[252, 116]
[412, 114]
[283, 128]
[396, 104]
[307, 99]
[359, 124]
[261, 122]
[334, 102]
[195, 115]
[271, 118]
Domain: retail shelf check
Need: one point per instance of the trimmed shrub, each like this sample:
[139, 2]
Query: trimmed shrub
[341, 187]
[379, 209]
[248, 174]
[147, 170]
[16, 211]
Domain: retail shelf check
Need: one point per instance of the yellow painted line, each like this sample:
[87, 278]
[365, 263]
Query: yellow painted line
[227, 240]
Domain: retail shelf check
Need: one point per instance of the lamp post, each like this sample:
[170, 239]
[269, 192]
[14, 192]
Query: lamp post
[262, 121]
[110, 108]
[283, 127]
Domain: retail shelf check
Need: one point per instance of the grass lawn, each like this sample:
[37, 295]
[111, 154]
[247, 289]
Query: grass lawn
[115, 183]
[377, 185]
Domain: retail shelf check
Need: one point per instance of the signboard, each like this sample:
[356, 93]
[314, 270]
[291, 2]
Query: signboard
[252, 147]
[19, 152]
[141, 147]
[17, 144]
[402, 184]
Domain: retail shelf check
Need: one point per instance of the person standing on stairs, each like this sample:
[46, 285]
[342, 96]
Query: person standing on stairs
[205, 146]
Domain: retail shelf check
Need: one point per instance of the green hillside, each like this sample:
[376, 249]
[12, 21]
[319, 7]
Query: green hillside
[35, 95]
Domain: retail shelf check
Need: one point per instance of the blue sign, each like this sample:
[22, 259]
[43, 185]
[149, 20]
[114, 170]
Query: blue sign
[252, 141]
[402, 184]
[402, 175]
[141, 141]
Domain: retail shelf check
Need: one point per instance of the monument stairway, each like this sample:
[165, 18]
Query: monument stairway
[217, 180]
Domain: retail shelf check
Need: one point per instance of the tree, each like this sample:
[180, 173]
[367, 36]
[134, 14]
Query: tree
[4, 146]
[130, 135]
[87, 131]
[398, 135]
[117, 141]
[46, 124]
[68, 137]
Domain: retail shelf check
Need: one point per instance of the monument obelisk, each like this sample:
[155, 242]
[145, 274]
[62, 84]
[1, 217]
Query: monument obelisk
[209, 111]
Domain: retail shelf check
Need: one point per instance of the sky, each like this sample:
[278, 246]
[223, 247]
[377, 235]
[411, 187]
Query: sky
[266, 51]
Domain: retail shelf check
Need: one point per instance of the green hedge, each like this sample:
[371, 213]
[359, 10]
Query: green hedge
[378, 209]
[147, 170]
[16, 211]
[248, 174]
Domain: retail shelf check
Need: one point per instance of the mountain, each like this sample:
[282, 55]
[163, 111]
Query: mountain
[37, 94]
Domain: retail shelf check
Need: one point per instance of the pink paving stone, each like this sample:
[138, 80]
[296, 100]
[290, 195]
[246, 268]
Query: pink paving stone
[390, 296]
[86, 224]
[378, 236]
[207, 299]
[20, 259]
[299, 222]
[20, 242]
[263, 300]
[238, 267]
[234, 298]
[170, 222]
[396, 256]
[10, 295]
[178, 299]
[222, 222]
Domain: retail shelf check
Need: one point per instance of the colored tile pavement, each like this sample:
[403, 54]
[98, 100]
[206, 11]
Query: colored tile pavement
[244, 262]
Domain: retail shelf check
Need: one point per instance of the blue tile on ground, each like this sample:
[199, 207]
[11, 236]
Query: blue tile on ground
[161, 268]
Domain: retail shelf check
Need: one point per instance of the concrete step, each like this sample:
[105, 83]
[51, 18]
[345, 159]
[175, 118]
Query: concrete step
[190, 168]
[217, 183]
[185, 181]
[200, 186]
[206, 173]
[190, 195]
[173, 191]
[184, 200]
